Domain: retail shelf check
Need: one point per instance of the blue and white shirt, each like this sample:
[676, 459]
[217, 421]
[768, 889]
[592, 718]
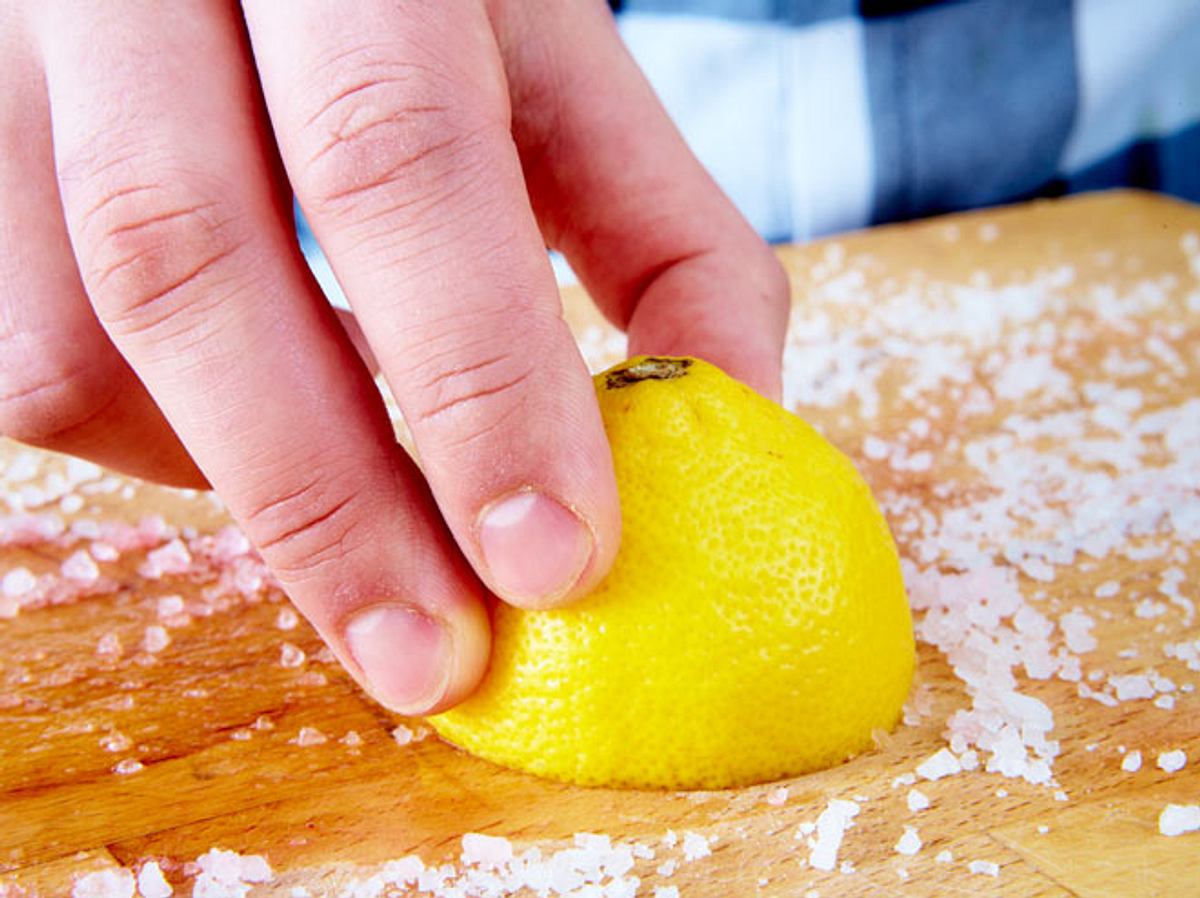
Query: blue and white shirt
[818, 116]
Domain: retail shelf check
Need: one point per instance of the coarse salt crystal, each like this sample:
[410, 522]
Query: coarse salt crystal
[127, 766]
[402, 735]
[666, 892]
[1177, 819]
[695, 846]
[909, 843]
[109, 645]
[985, 868]
[943, 763]
[115, 742]
[286, 619]
[837, 817]
[485, 850]
[945, 856]
[351, 739]
[1172, 761]
[1165, 702]
[151, 883]
[155, 639]
[172, 558]
[777, 797]
[111, 883]
[169, 606]
[1076, 626]
[1107, 589]
[18, 582]
[103, 551]
[1132, 762]
[308, 736]
[917, 800]
[291, 655]
[80, 567]
[1132, 686]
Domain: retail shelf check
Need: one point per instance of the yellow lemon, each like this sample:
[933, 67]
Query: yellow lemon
[754, 625]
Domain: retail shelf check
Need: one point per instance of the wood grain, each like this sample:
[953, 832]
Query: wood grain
[328, 812]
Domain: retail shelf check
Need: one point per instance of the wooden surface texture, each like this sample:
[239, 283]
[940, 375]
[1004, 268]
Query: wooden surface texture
[213, 717]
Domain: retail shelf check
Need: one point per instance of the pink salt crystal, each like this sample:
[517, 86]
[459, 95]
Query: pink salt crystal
[102, 551]
[286, 619]
[70, 503]
[402, 734]
[351, 739]
[111, 883]
[109, 644]
[230, 543]
[17, 582]
[172, 558]
[291, 655]
[308, 736]
[81, 568]
[262, 722]
[115, 742]
[242, 735]
[169, 606]
[127, 766]
[155, 639]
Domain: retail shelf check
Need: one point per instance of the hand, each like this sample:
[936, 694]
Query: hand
[157, 316]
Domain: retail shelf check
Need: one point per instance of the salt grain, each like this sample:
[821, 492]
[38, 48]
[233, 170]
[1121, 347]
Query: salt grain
[308, 736]
[941, 764]
[155, 639]
[695, 846]
[286, 619]
[1177, 819]
[777, 797]
[402, 734]
[109, 883]
[291, 655]
[127, 766]
[985, 868]
[151, 883]
[832, 825]
[1172, 761]
[909, 843]
[81, 568]
[486, 850]
[1132, 762]
[917, 800]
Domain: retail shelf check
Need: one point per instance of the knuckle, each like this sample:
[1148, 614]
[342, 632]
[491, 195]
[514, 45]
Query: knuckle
[471, 396]
[384, 132]
[302, 530]
[150, 248]
[44, 400]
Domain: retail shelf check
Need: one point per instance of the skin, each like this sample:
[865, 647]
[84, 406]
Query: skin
[157, 316]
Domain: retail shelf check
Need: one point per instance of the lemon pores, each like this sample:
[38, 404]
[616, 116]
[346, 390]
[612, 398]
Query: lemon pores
[753, 626]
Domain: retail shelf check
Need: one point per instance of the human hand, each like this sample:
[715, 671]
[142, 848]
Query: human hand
[157, 316]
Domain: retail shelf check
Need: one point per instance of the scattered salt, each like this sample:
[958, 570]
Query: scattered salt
[127, 766]
[169, 606]
[110, 883]
[286, 619]
[151, 883]
[402, 734]
[986, 868]
[1132, 762]
[155, 639]
[777, 797]
[832, 824]
[81, 568]
[1172, 761]
[695, 846]
[909, 843]
[291, 655]
[666, 892]
[485, 850]
[308, 736]
[917, 800]
[943, 763]
[1177, 819]
[945, 856]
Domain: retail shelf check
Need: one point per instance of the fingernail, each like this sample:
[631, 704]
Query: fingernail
[534, 547]
[404, 654]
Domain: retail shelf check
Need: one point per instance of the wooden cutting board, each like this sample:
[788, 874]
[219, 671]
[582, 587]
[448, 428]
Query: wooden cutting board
[326, 813]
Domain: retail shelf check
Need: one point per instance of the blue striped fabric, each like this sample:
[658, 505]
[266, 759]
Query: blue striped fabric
[826, 115]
